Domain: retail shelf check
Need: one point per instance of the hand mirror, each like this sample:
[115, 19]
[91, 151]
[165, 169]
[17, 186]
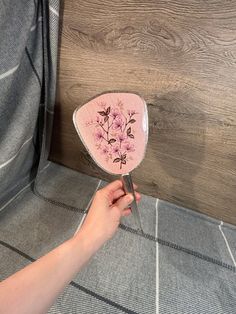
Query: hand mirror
[114, 129]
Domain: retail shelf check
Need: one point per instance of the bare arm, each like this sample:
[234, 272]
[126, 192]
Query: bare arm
[34, 288]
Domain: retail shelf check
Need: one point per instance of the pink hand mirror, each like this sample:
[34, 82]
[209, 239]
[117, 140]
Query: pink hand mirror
[114, 129]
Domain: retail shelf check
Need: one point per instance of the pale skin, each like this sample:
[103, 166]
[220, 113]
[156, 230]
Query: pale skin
[35, 288]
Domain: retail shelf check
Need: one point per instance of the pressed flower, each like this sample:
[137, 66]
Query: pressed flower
[121, 137]
[129, 147]
[113, 132]
[105, 150]
[115, 113]
[116, 149]
[99, 135]
[98, 146]
[120, 104]
[131, 112]
[118, 123]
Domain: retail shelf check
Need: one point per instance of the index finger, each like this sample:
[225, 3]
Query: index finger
[113, 186]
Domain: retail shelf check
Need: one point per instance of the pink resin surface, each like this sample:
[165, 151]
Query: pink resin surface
[114, 129]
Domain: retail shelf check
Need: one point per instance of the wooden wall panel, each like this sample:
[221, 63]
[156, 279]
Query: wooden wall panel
[181, 57]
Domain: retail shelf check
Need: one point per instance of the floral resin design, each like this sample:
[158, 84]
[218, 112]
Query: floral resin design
[114, 129]
[114, 132]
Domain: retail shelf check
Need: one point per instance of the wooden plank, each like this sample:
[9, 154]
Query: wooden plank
[181, 57]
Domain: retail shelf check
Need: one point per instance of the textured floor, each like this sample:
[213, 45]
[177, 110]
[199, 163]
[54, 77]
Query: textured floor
[185, 264]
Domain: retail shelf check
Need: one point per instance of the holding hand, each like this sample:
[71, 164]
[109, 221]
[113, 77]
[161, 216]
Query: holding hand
[109, 205]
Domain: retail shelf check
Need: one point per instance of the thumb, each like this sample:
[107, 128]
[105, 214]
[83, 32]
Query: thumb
[124, 201]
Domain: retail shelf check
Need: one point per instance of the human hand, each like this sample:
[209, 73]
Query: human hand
[109, 205]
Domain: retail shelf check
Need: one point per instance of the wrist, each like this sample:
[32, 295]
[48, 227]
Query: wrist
[89, 240]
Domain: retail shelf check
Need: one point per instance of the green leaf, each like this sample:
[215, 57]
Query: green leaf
[112, 140]
[106, 118]
[123, 162]
[131, 135]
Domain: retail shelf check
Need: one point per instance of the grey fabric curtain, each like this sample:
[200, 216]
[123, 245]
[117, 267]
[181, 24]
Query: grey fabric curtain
[28, 59]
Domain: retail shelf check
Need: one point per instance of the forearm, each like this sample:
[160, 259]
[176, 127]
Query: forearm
[34, 288]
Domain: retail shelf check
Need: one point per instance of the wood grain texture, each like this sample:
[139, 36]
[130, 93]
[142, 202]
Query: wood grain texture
[181, 57]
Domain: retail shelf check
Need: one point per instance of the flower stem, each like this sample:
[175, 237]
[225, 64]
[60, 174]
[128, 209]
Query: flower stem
[125, 123]
[111, 124]
[105, 139]
[105, 132]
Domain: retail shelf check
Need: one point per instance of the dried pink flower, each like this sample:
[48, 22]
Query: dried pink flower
[116, 149]
[129, 147]
[99, 135]
[121, 137]
[131, 112]
[105, 150]
[120, 104]
[118, 123]
[115, 113]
